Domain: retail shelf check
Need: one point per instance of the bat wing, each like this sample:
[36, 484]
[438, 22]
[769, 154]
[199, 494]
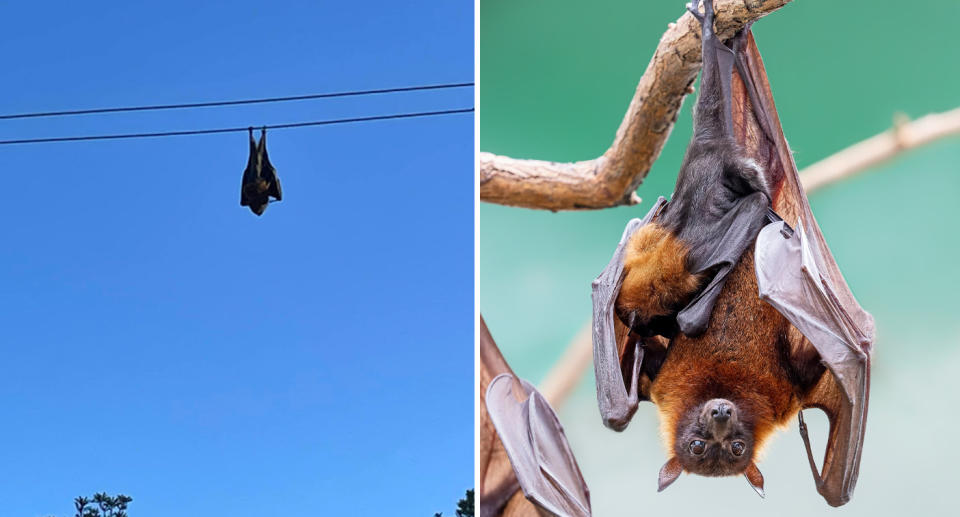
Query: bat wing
[617, 391]
[250, 173]
[537, 447]
[733, 234]
[267, 170]
[499, 490]
[798, 275]
[498, 485]
[791, 274]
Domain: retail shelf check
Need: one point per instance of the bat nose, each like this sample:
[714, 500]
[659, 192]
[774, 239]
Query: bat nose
[720, 410]
[721, 413]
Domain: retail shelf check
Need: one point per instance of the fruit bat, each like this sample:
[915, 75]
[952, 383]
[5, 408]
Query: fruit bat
[724, 306]
[260, 180]
[526, 466]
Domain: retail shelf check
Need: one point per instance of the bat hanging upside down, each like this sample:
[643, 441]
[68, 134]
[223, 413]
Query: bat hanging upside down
[260, 180]
[717, 403]
[677, 316]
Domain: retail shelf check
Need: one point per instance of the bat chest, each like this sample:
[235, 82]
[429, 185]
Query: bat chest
[741, 356]
[256, 188]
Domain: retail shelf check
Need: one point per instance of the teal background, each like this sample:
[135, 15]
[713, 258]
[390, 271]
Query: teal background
[555, 80]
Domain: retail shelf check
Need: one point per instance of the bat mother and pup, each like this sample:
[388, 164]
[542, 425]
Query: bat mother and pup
[715, 309]
[677, 318]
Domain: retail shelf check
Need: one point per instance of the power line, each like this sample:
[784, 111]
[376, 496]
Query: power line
[353, 93]
[189, 132]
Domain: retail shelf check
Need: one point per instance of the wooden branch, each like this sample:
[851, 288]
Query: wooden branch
[611, 179]
[904, 135]
[566, 373]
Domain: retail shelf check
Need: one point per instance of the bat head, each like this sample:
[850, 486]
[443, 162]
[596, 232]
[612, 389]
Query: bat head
[258, 207]
[714, 438]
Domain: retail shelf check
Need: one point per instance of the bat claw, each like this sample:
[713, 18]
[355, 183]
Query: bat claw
[802, 425]
[692, 8]
[740, 38]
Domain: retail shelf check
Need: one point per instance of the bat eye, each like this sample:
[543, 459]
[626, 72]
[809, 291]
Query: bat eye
[697, 447]
[738, 448]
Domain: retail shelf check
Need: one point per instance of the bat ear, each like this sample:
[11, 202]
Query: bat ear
[754, 477]
[669, 473]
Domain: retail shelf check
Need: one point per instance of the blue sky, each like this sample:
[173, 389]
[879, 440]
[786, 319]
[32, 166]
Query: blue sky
[161, 341]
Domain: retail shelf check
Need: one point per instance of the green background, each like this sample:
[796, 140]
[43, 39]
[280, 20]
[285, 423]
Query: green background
[555, 80]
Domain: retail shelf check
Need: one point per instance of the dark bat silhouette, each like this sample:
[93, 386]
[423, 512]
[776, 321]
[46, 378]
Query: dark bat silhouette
[677, 315]
[260, 180]
[526, 465]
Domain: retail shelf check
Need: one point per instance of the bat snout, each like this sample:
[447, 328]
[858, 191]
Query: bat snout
[258, 208]
[719, 414]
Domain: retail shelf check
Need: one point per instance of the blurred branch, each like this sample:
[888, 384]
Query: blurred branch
[611, 179]
[905, 135]
[566, 372]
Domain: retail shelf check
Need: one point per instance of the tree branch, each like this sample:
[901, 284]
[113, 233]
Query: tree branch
[611, 179]
[904, 135]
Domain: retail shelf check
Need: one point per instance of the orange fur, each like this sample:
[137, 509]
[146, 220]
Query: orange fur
[656, 280]
[736, 358]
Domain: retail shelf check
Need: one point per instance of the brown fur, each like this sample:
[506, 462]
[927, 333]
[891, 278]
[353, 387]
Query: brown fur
[656, 280]
[739, 358]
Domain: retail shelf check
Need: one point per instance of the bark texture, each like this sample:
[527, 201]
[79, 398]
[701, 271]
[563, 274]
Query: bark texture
[611, 179]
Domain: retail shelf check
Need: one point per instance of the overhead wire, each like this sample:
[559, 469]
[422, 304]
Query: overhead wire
[234, 102]
[190, 105]
[211, 131]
